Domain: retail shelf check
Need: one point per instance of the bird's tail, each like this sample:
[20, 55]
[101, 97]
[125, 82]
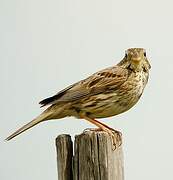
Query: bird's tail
[40, 118]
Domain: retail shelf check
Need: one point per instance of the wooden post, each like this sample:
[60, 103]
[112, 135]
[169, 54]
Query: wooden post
[93, 159]
[64, 148]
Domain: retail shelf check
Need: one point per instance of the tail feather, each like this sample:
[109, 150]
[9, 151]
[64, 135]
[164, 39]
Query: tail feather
[27, 126]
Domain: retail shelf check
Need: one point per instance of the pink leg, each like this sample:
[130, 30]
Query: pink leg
[116, 135]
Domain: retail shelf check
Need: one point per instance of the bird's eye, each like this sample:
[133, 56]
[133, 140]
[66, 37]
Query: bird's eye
[145, 54]
[125, 55]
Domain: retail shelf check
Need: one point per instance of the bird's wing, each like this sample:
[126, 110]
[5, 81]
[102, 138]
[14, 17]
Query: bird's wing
[107, 79]
[51, 99]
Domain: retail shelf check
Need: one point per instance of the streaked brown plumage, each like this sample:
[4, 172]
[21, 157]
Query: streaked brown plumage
[106, 93]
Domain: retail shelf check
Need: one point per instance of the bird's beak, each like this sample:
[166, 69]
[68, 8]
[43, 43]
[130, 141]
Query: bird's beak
[136, 60]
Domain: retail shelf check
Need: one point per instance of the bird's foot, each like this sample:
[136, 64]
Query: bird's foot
[116, 138]
[115, 135]
[92, 129]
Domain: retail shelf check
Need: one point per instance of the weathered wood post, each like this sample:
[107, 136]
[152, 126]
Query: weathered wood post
[64, 148]
[93, 159]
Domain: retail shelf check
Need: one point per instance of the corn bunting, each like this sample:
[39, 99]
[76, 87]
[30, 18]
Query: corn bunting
[106, 93]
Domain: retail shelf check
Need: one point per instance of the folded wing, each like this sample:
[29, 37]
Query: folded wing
[110, 78]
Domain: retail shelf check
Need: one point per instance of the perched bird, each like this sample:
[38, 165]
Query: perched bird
[106, 93]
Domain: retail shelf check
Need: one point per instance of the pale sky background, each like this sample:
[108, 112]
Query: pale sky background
[48, 45]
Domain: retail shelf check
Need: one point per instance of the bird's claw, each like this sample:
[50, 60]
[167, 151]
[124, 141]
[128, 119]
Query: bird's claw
[116, 139]
[92, 129]
[116, 136]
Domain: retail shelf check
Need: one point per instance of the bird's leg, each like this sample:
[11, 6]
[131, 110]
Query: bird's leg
[116, 135]
[108, 127]
[99, 129]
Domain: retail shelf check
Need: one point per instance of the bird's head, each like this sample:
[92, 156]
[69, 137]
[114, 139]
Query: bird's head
[136, 59]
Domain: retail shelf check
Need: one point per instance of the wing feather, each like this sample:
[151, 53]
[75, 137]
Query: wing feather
[110, 78]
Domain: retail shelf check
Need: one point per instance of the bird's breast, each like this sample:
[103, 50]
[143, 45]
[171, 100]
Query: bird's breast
[117, 101]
